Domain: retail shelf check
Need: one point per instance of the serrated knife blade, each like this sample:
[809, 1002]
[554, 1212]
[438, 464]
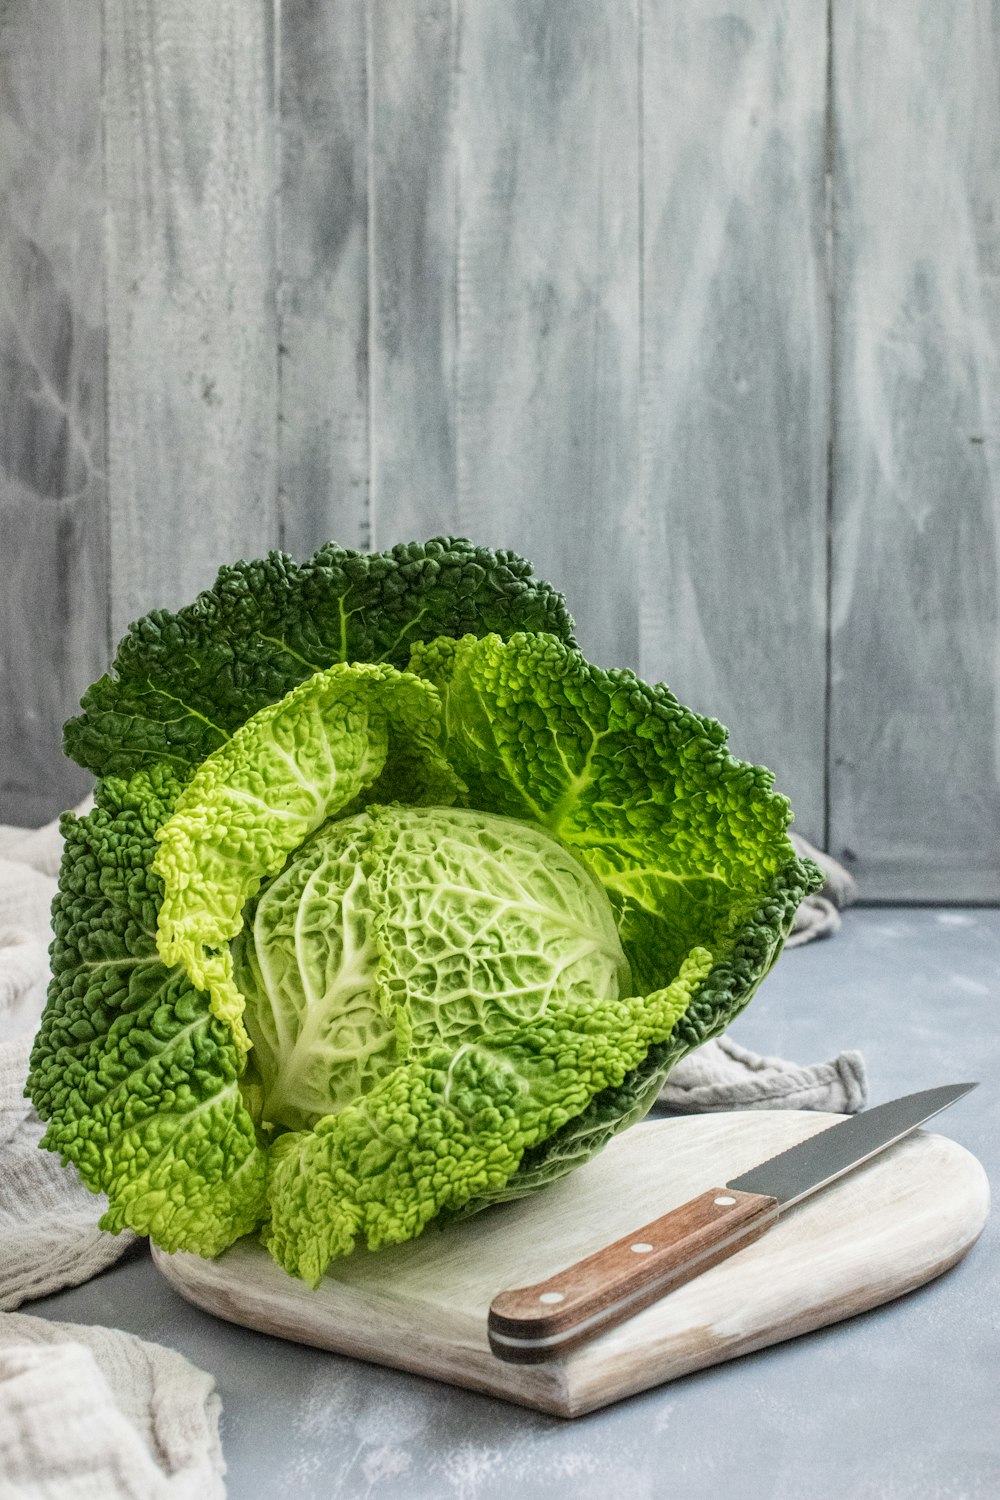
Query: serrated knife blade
[535, 1323]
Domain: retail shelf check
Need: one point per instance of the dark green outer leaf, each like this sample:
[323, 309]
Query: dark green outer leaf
[181, 683]
[137, 1080]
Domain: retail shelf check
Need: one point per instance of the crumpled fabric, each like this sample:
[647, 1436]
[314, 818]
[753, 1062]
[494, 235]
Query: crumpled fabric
[49, 1237]
[819, 914]
[97, 1414]
[722, 1075]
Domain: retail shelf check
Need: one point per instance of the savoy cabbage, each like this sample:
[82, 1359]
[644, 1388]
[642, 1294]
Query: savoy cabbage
[391, 905]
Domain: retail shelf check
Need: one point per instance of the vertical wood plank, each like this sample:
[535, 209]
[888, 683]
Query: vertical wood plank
[189, 127]
[412, 269]
[915, 801]
[734, 386]
[323, 426]
[53, 600]
[547, 133]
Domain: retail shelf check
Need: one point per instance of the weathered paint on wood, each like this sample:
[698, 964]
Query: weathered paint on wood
[412, 189]
[53, 576]
[192, 346]
[734, 382]
[546, 405]
[916, 495]
[558, 278]
[323, 266]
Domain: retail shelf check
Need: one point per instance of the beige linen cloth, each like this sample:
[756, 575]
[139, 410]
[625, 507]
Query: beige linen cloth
[98, 1414]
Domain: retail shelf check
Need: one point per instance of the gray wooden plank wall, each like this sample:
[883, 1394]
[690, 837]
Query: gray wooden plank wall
[736, 377]
[54, 584]
[191, 272]
[916, 495]
[697, 306]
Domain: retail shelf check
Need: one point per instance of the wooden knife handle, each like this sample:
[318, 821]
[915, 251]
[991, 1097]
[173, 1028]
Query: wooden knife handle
[545, 1321]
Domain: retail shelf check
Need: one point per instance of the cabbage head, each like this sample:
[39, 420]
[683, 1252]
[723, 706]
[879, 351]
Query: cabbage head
[391, 906]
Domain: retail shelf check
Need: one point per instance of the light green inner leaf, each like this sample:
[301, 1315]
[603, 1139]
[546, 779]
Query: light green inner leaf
[281, 776]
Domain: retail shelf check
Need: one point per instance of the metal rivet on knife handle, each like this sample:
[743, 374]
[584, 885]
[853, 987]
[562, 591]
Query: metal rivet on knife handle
[544, 1321]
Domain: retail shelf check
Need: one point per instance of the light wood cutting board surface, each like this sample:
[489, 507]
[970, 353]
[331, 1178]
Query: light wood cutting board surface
[883, 1230]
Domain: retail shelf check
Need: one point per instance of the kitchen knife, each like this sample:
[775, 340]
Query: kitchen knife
[536, 1323]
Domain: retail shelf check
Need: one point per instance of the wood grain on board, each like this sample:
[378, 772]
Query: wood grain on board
[323, 270]
[882, 1230]
[915, 688]
[547, 126]
[53, 569]
[732, 585]
[192, 344]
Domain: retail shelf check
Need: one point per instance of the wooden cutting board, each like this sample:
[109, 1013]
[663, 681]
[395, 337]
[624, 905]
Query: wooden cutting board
[879, 1232]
